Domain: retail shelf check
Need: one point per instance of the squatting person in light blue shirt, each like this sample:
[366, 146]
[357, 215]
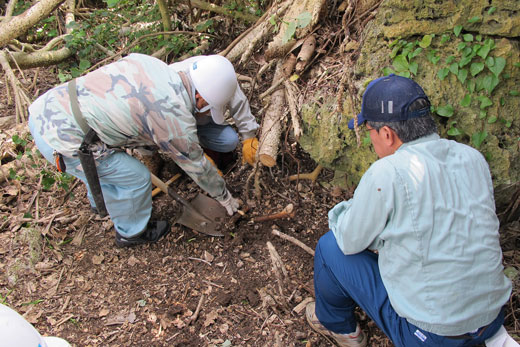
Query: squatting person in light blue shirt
[417, 247]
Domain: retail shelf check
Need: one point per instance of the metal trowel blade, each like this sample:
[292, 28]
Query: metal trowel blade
[214, 212]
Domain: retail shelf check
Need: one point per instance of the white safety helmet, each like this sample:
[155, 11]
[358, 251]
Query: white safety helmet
[16, 331]
[213, 76]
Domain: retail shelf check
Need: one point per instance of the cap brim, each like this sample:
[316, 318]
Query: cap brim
[360, 120]
[217, 113]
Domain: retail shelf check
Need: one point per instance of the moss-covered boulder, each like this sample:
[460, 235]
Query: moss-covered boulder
[464, 54]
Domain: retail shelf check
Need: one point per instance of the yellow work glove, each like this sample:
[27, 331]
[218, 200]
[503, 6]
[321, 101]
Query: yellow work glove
[213, 163]
[249, 150]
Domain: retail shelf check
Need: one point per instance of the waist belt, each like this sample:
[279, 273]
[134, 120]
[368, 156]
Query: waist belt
[85, 153]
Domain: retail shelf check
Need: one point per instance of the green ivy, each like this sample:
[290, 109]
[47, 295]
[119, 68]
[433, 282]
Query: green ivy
[474, 66]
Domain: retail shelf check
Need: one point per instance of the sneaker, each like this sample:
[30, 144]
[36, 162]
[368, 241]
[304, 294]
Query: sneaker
[355, 339]
[154, 231]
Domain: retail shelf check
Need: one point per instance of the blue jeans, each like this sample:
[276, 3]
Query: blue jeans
[124, 180]
[218, 138]
[342, 282]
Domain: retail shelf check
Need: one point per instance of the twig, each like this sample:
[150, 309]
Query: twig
[272, 88]
[202, 260]
[64, 319]
[195, 315]
[278, 267]
[288, 212]
[67, 193]
[213, 284]
[309, 176]
[294, 241]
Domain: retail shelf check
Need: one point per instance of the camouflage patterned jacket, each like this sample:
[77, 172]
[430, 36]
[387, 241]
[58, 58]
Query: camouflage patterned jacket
[136, 101]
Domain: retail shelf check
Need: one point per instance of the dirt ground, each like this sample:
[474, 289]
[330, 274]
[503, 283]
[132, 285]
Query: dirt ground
[61, 270]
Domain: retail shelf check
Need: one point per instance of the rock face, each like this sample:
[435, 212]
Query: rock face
[465, 54]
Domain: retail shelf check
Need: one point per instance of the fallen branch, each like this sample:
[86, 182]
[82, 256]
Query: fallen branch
[278, 267]
[308, 176]
[195, 315]
[272, 123]
[294, 241]
[288, 212]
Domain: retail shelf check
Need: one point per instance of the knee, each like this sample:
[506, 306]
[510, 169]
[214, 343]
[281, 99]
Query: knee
[230, 142]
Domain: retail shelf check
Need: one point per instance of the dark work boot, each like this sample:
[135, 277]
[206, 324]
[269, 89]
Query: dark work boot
[154, 231]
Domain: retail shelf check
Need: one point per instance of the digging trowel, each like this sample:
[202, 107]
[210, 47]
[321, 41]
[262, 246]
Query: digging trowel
[202, 214]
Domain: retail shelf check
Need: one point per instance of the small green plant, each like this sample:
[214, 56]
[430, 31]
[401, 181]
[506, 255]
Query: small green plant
[3, 298]
[34, 302]
[301, 21]
[473, 65]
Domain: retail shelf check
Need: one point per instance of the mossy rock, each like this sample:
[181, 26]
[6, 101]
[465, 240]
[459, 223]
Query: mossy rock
[478, 99]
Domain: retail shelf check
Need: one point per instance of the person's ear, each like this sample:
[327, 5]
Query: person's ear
[390, 137]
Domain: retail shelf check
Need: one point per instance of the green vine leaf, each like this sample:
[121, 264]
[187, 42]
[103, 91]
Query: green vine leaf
[471, 86]
[491, 10]
[492, 119]
[454, 68]
[514, 93]
[482, 114]
[415, 53]
[445, 38]
[387, 71]
[450, 59]
[484, 102]
[468, 37]
[414, 67]
[400, 63]
[457, 30]
[454, 132]
[466, 101]
[289, 32]
[476, 68]
[442, 73]
[304, 19]
[498, 67]
[474, 19]
[489, 83]
[490, 61]
[445, 111]
[426, 41]
[478, 138]
[463, 74]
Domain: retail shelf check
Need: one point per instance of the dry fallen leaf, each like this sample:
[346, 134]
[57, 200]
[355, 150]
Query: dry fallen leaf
[97, 259]
[210, 318]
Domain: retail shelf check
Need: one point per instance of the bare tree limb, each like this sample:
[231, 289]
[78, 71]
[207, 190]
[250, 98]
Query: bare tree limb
[20, 24]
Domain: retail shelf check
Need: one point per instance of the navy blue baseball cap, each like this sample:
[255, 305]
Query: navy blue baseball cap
[388, 98]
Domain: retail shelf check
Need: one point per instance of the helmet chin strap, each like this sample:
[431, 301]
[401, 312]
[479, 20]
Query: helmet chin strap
[204, 109]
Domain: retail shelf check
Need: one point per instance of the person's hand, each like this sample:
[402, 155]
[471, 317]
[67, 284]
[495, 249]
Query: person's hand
[215, 165]
[230, 203]
[249, 150]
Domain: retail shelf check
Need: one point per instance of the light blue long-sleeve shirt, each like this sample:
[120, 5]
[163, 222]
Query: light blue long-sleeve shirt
[428, 209]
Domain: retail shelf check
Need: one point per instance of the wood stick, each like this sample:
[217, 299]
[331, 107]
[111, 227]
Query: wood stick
[288, 212]
[170, 181]
[278, 267]
[195, 315]
[294, 241]
[309, 176]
